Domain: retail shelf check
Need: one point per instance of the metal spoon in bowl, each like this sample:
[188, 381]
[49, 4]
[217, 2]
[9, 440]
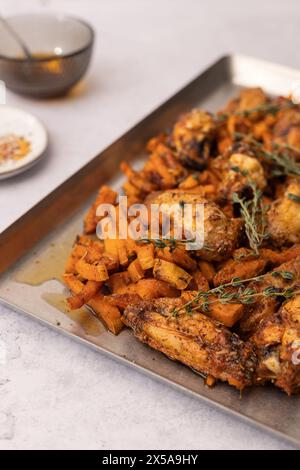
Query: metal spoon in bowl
[16, 36]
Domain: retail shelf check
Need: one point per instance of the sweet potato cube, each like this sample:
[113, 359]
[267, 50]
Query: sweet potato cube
[135, 271]
[145, 256]
[171, 273]
[92, 272]
[207, 270]
[227, 314]
[108, 313]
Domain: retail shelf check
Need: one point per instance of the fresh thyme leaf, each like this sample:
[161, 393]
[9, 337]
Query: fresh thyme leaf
[236, 281]
[287, 275]
[293, 197]
[249, 291]
[247, 300]
[284, 274]
[205, 306]
[289, 293]
[219, 290]
[270, 291]
[227, 296]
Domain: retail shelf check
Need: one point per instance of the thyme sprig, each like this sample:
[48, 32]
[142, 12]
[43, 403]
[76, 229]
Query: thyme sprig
[284, 163]
[170, 242]
[267, 108]
[243, 294]
[253, 212]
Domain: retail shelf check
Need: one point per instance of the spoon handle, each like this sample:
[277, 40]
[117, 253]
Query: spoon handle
[16, 36]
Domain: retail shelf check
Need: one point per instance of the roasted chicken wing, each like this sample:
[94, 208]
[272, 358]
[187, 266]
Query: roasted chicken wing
[197, 341]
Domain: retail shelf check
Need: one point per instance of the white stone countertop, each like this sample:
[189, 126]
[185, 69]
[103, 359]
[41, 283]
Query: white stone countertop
[55, 393]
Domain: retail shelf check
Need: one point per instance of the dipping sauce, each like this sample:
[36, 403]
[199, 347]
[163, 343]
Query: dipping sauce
[52, 65]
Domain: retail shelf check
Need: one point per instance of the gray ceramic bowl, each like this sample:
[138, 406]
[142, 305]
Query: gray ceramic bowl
[61, 47]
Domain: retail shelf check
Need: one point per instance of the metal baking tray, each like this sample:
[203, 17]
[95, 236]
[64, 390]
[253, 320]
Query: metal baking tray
[34, 248]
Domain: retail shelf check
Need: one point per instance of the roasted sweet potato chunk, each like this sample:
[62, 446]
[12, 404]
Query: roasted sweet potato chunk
[171, 273]
[108, 313]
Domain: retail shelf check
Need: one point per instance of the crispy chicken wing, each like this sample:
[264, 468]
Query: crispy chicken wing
[197, 341]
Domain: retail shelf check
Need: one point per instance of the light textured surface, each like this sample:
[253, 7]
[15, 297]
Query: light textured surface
[55, 393]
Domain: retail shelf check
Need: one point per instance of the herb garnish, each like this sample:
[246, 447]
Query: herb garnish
[284, 163]
[243, 294]
[268, 108]
[253, 212]
[171, 242]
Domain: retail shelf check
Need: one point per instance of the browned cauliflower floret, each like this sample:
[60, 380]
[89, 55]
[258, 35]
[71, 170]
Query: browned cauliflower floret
[221, 233]
[251, 98]
[248, 99]
[287, 128]
[193, 136]
[237, 172]
[284, 216]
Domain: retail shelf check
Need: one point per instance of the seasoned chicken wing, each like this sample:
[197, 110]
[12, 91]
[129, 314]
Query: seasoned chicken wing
[197, 341]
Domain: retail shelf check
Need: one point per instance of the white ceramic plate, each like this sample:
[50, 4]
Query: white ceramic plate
[21, 123]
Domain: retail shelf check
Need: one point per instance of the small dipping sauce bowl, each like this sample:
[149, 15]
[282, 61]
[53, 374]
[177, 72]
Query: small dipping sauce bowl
[61, 48]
